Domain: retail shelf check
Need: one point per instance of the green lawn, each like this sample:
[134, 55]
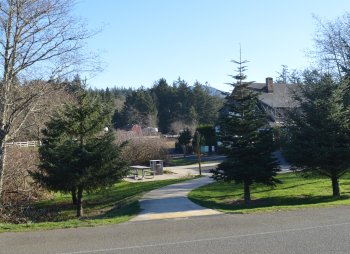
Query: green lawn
[114, 205]
[294, 192]
[189, 160]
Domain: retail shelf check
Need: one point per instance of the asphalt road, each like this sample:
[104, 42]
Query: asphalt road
[318, 231]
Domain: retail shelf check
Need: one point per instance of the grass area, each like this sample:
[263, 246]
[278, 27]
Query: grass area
[182, 161]
[111, 206]
[294, 192]
[189, 160]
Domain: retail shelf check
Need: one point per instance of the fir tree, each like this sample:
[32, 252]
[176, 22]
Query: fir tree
[184, 140]
[319, 129]
[246, 139]
[76, 154]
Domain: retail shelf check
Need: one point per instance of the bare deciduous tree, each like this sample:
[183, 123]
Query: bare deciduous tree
[39, 39]
[179, 126]
[332, 44]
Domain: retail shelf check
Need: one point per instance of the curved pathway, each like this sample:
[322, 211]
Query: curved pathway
[171, 202]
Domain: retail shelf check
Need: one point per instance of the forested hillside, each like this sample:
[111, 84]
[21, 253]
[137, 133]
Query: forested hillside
[168, 107]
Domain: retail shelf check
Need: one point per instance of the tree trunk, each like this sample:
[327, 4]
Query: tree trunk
[5, 94]
[184, 149]
[335, 186]
[74, 196]
[199, 163]
[4, 130]
[2, 167]
[246, 192]
[80, 202]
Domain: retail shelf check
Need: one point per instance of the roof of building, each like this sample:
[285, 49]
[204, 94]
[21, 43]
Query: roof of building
[257, 86]
[281, 97]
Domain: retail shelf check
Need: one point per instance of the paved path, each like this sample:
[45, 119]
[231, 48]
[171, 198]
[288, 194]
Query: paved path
[172, 202]
[284, 165]
[177, 172]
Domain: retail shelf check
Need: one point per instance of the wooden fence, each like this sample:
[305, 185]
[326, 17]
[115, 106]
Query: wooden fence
[24, 144]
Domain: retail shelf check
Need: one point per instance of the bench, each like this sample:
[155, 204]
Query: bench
[149, 173]
[144, 169]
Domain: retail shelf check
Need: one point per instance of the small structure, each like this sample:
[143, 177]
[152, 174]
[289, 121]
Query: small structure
[157, 166]
[149, 131]
[136, 129]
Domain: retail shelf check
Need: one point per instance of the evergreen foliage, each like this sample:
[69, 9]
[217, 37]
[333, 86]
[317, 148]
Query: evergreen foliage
[320, 130]
[139, 108]
[163, 105]
[246, 140]
[184, 140]
[206, 105]
[182, 103]
[208, 135]
[76, 155]
[166, 104]
[184, 110]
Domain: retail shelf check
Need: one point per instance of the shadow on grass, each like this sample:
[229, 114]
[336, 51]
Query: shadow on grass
[281, 201]
[121, 200]
[218, 189]
[129, 210]
[94, 209]
[282, 188]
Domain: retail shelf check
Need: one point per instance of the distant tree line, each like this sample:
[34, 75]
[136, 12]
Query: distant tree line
[168, 107]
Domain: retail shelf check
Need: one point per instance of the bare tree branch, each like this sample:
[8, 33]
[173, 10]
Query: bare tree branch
[40, 38]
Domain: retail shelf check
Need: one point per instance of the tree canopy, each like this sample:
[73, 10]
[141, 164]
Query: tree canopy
[319, 129]
[184, 140]
[76, 154]
[246, 140]
[40, 38]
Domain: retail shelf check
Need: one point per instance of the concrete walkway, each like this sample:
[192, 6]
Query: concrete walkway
[171, 202]
[177, 172]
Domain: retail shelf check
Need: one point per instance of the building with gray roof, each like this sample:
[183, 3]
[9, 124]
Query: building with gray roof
[276, 99]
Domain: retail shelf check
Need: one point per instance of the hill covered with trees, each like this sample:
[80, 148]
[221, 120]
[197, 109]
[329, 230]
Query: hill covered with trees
[168, 107]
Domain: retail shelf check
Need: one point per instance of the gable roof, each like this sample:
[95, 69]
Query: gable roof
[257, 86]
[281, 97]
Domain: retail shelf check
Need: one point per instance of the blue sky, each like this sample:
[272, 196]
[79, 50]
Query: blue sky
[145, 40]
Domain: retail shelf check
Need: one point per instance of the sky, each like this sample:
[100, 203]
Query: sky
[142, 41]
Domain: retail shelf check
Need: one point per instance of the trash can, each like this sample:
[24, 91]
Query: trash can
[159, 169]
[157, 166]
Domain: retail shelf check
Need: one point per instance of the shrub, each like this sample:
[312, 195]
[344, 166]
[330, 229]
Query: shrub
[19, 188]
[140, 150]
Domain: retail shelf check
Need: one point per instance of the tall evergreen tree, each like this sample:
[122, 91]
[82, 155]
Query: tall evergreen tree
[205, 105]
[76, 154]
[184, 111]
[166, 104]
[139, 108]
[320, 130]
[246, 139]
